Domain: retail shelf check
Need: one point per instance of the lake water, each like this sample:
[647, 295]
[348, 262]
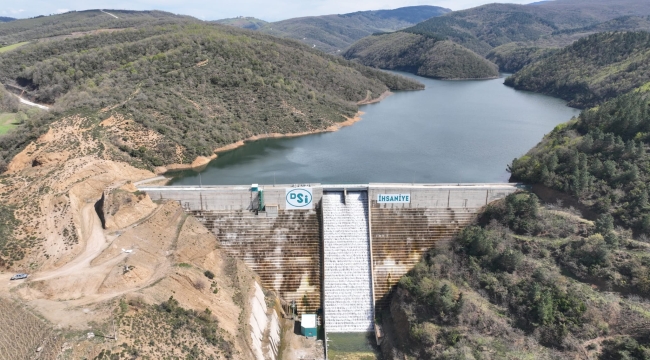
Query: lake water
[453, 131]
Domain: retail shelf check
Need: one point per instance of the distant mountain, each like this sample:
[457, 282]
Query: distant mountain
[6, 19]
[593, 69]
[485, 27]
[83, 21]
[421, 55]
[512, 57]
[335, 33]
[243, 22]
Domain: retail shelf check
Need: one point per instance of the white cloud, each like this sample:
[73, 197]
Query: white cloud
[61, 11]
[12, 11]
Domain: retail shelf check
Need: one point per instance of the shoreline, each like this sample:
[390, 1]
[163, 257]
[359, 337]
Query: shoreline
[332, 128]
[203, 161]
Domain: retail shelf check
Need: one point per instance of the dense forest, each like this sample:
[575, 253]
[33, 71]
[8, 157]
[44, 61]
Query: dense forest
[593, 69]
[526, 282]
[422, 55]
[512, 57]
[334, 33]
[200, 86]
[599, 158]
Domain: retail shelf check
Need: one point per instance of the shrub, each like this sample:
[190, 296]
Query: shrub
[209, 274]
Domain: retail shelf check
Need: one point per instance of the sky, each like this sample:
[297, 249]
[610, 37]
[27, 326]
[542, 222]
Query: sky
[269, 10]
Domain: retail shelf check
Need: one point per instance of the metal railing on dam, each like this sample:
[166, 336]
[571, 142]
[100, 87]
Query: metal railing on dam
[277, 229]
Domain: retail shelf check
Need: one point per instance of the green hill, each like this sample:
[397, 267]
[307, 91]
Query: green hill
[198, 86]
[6, 19]
[591, 70]
[512, 57]
[83, 21]
[485, 27]
[250, 23]
[421, 55]
[525, 282]
[600, 159]
[334, 33]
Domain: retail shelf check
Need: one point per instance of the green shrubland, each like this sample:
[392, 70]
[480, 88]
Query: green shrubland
[512, 286]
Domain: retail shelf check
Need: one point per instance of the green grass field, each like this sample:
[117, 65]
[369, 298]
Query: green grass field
[7, 122]
[12, 47]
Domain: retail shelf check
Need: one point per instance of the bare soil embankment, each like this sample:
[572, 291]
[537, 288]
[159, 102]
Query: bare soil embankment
[83, 275]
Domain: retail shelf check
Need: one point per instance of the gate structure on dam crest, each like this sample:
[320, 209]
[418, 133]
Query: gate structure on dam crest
[339, 248]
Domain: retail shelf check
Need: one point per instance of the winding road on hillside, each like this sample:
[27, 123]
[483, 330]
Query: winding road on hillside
[95, 244]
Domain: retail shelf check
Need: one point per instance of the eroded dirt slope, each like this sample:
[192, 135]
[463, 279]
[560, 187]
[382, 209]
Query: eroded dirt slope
[124, 267]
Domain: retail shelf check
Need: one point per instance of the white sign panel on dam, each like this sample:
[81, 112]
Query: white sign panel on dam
[393, 198]
[299, 199]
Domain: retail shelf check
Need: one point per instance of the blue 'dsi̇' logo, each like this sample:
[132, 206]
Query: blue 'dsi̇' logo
[299, 198]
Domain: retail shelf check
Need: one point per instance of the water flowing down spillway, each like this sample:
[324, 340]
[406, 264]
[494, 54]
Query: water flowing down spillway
[348, 304]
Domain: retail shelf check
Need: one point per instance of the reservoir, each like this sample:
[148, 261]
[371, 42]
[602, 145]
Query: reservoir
[451, 132]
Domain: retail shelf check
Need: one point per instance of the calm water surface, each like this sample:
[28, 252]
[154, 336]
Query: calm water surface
[453, 131]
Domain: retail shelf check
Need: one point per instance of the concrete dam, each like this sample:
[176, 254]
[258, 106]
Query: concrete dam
[339, 248]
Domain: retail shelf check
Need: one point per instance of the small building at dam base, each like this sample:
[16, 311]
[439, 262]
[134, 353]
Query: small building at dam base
[336, 248]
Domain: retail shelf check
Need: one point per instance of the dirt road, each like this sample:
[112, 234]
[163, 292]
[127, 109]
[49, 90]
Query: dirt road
[95, 243]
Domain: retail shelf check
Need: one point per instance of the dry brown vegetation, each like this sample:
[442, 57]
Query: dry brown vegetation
[25, 336]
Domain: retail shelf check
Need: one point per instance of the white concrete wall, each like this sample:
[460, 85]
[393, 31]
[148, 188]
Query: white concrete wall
[259, 322]
[220, 198]
[433, 196]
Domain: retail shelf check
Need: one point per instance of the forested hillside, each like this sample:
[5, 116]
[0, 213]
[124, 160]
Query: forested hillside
[591, 70]
[334, 33]
[199, 87]
[599, 158]
[513, 36]
[512, 57]
[526, 282]
[250, 23]
[422, 55]
[6, 19]
[485, 27]
[83, 21]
